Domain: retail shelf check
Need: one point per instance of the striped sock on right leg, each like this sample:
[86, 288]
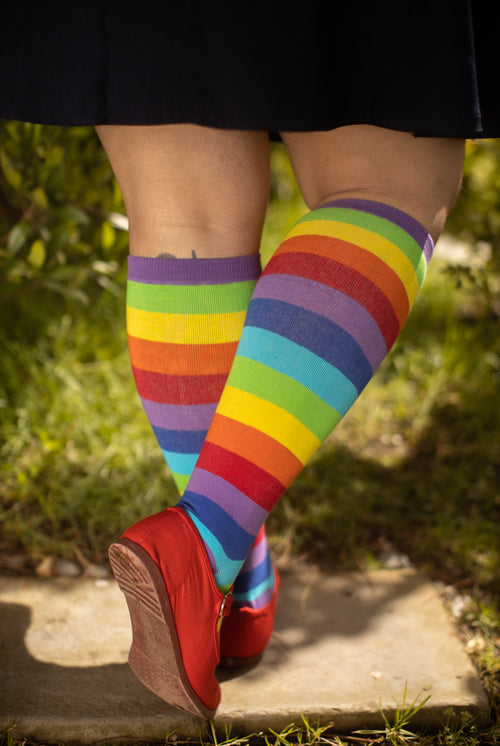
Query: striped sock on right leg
[324, 313]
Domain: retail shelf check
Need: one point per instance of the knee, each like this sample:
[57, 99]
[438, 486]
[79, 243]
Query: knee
[191, 189]
[420, 176]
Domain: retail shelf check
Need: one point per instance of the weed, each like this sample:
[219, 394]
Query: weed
[7, 736]
[306, 734]
[453, 734]
[228, 739]
[396, 732]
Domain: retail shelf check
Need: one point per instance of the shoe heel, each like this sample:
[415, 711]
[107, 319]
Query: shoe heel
[155, 655]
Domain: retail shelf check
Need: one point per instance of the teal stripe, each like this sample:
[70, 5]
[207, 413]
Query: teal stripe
[378, 225]
[190, 299]
[323, 379]
[228, 569]
[254, 593]
[298, 400]
[180, 463]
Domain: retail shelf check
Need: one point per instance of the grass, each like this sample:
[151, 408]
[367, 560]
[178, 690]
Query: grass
[78, 458]
[307, 733]
[414, 468]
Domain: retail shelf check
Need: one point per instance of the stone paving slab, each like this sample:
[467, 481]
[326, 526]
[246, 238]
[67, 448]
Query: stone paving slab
[343, 646]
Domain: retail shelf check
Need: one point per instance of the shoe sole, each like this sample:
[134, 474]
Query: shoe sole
[155, 655]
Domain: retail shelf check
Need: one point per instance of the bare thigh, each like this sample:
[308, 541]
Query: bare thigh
[419, 175]
[190, 190]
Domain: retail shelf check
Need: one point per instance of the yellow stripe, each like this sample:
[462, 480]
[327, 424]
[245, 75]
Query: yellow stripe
[269, 419]
[185, 329]
[389, 252]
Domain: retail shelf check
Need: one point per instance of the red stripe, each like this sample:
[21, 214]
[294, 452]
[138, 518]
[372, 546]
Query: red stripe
[351, 255]
[260, 537]
[253, 481]
[263, 450]
[165, 389]
[340, 277]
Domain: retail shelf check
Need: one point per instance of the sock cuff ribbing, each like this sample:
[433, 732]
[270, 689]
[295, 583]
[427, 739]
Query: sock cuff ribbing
[396, 216]
[167, 271]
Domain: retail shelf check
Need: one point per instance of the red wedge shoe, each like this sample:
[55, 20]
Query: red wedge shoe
[245, 633]
[176, 610]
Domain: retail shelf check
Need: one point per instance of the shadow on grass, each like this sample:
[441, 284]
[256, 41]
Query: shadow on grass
[440, 504]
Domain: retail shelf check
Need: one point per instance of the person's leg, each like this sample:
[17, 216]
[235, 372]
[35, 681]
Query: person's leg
[196, 200]
[324, 313]
[417, 175]
[190, 192]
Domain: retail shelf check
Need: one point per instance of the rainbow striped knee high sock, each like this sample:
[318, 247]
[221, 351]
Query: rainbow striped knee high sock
[324, 314]
[184, 321]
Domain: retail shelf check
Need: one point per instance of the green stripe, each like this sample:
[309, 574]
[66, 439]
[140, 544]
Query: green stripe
[270, 385]
[181, 481]
[190, 299]
[378, 225]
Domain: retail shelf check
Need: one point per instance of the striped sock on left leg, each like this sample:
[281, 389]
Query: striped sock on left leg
[184, 321]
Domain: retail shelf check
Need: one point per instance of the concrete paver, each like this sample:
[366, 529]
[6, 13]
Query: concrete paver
[343, 647]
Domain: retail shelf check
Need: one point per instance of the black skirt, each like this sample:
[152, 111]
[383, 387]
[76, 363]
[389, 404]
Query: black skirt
[416, 66]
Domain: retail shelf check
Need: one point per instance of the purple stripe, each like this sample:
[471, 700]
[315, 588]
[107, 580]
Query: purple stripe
[218, 271]
[257, 603]
[263, 599]
[415, 229]
[331, 304]
[179, 416]
[242, 509]
[211, 557]
[257, 555]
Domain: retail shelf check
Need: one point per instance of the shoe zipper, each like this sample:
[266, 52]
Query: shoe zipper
[221, 612]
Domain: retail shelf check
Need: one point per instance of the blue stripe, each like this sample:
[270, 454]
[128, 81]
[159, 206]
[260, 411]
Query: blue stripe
[180, 441]
[254, 592]
[247, 581]
[314, 332]
[236, 541]
[226, 569]
[303, 366]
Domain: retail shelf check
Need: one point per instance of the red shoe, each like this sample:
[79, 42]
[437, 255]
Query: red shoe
[176, 609]
[246, 632]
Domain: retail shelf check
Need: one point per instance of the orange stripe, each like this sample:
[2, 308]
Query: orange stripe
[361, 260]
[255, 446]
[176, 359]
